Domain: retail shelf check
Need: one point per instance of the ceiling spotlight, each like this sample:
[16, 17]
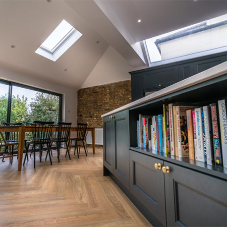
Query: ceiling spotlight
[97, 42]
[139, 21]
[48, 0]
[13, 46]
[65, 70]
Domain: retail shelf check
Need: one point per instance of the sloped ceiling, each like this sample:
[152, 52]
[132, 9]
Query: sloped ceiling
[27, 23]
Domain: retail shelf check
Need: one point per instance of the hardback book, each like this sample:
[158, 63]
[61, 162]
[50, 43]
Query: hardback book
[207, 124]
[223, 130]
[175, 131]
[157, 133]
[199, 135]
[167, 132]
[182, 132]
[144, 132]
[190, 134]
[204, 136]
[160, 133]
[138, 134]
[141, 131]
[151, 146]
[164, 130]
[216, 135]
[194, 134]
[171, 131]
[146, 123]
[154, 131]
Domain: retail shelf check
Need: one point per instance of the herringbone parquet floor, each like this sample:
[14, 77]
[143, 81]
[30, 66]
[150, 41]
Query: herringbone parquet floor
[69, 193]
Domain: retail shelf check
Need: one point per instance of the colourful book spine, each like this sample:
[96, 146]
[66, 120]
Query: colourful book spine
[160, 133]
[194, 134]
[157, 133]
[175, 130]
[208, 134]
[178, 131]
[141, 130]
[144, 132]
[151, 146]
[216, 137]
[164, 130]
[167, 133]
[190, 134]
[138, 134]
[153, 131]
[171, 132]
[204, 136]
[223, 130]
[199, 135]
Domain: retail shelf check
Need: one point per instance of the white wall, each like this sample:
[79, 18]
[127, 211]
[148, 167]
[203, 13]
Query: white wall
[111, 68]
[69, 107]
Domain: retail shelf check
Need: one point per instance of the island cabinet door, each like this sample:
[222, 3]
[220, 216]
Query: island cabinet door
[194, 198]
[147, 186]
[121, 139]
[108, 143]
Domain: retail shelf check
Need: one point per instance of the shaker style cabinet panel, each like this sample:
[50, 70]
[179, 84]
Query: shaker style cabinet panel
[147, 185]
[194, 198]
[160, 78]
[121, 164]
[108, 143]
[205, 64]
[185, 71]
[116, 145]
[137, 86]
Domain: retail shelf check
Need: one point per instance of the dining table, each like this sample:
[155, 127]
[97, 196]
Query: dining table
[23, 129]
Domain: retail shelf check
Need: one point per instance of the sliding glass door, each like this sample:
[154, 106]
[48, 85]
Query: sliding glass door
[24, 104]
[31, 105]
[4, 93]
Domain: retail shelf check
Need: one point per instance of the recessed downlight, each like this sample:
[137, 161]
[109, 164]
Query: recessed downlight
[65, 70]
[139, 20]
[13, 46]
[97, 42]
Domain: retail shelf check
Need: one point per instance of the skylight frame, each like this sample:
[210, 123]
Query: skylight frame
[61, 46]
[64, 39]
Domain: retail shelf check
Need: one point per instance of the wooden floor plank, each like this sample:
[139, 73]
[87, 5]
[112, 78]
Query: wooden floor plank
[69, 193]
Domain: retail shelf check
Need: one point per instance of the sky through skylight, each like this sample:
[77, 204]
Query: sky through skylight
[57, 35]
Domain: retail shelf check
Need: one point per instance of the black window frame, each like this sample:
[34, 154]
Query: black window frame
[10, 92]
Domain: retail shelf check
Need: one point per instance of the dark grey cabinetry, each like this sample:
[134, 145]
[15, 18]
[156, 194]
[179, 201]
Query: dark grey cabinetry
[108, 143]
[194, 199]
[116, 145]
[147, 185]
[158, 77]
[155, 80]
[204, 64]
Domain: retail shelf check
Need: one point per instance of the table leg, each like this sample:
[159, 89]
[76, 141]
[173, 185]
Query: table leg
[21, 146]
[93, 140]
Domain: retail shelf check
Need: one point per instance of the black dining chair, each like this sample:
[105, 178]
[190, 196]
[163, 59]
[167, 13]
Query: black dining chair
[41, 139]
[13, 139]
[81, 136]
[61, 136]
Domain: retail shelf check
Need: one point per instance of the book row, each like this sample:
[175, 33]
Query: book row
[199, 133]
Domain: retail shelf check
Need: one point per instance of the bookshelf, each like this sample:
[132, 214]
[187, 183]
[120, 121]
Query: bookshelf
[191, 191]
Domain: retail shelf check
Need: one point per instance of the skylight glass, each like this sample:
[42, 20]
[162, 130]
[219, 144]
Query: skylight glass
[195, 39]
[59, 34]
[59, 41]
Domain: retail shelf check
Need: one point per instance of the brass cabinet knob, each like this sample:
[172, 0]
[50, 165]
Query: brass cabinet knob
[112, 117]
[165, 169]
[157, 166]
[159, 85]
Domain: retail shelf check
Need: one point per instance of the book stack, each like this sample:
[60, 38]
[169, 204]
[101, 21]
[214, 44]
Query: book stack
[197, 132]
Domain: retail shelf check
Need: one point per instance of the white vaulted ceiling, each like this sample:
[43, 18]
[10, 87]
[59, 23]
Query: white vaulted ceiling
[27, 23]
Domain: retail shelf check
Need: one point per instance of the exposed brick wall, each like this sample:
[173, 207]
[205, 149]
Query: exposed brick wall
[95, 101]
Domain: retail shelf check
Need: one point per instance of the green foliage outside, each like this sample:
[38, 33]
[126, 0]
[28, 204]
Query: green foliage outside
[44, 107]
